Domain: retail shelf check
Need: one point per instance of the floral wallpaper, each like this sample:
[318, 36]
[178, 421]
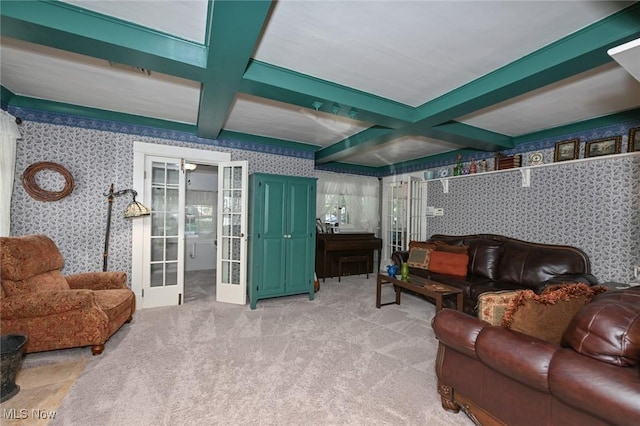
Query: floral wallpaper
[591, 204]
[96, 158]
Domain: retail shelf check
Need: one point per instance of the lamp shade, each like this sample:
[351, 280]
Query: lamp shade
[135, 209]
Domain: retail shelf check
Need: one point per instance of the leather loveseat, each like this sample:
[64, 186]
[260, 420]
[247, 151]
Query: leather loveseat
[503, 377]
[56, 311]
[499, 263]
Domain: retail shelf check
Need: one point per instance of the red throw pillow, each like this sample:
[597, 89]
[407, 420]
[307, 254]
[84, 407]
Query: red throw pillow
[442, 262]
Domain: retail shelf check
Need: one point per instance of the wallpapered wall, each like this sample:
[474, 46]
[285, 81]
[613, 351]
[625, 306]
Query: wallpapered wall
[593, 205]
[97, 158]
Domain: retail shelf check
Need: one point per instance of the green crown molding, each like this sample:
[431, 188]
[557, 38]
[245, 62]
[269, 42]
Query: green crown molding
[355, 169]
[580, 126]
[263, 140]
[6, 95]
[98, 114]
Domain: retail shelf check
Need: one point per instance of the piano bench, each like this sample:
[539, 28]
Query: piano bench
[353, 259]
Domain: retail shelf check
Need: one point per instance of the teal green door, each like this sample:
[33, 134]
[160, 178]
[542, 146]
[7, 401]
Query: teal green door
[298, 242]
[272, 272]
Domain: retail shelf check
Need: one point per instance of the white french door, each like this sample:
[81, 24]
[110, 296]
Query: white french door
[163, 272]
[414, 210]
[231, 277]
[404, 214]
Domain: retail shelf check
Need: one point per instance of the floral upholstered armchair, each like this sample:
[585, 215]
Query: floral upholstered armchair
[56, 311]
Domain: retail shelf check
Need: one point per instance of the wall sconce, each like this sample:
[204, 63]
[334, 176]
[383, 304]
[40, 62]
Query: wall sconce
[316, 105]
[352, 113]
[335, 108]
[134, 209]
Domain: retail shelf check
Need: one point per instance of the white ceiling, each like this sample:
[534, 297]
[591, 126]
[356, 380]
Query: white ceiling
[402, 55]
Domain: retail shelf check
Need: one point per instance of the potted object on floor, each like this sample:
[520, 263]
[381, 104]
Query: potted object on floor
[11, 348]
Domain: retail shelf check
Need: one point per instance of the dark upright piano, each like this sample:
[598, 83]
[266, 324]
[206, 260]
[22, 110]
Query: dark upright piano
[329, 247]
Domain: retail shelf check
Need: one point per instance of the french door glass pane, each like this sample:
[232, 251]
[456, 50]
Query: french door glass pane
[165, 203]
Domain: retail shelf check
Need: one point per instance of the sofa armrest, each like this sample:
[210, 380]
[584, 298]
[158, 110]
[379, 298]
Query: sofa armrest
[458, 330]
[399, 256]
[607, 391]
[516, 355]
[98, 280]
[45, 303]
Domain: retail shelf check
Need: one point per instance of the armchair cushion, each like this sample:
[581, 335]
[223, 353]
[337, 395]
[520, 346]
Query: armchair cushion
[46, 281]
[98, 280]
[29, 255]
[45, 303]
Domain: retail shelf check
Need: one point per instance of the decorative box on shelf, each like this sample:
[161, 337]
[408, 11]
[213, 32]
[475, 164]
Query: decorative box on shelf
[503, 162]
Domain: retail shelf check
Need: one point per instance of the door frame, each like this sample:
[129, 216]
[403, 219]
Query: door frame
[140, 151]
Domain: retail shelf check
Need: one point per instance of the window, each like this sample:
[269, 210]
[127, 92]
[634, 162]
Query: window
[336, 210]
[200, 213]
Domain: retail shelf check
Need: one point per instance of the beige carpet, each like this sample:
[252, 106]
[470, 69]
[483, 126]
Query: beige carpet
[42, 389]
[336, 360]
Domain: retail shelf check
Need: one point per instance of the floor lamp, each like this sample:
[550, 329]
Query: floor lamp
[134, 209]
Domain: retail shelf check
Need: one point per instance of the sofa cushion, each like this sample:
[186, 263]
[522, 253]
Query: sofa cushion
[447, 263]
[419, 257]
[608, 329]
[492, 305]
[47, 281]
[547, 315]
[530, 264]
[484, 257]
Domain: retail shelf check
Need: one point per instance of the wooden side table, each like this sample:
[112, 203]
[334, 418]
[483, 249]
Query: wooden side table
[419, 285]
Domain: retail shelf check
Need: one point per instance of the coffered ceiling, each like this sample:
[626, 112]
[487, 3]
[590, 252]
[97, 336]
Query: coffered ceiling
[367, 84]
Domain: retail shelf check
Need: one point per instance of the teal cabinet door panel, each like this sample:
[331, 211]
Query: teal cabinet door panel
[272, 273]
[299, 209]
[298, 276]
[281, 236]
[273, 220]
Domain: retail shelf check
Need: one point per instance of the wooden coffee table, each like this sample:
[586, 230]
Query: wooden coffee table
[420, 285]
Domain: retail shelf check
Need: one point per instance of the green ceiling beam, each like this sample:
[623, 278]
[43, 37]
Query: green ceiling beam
[461, 134]
[578, 52]
[473, 137]
[98, 114]
[235, 27]
[355, 144]
[67, 27]
[581, 51]
[272, 82]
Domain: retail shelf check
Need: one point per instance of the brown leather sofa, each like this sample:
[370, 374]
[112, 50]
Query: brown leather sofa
[56, 311]
[502, 377]
[499, 263]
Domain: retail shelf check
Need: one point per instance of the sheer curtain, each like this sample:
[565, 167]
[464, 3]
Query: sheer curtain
[360, 193]
[9, 133]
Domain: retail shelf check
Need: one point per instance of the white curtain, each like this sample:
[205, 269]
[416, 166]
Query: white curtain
[9, 133]
[361, 194]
